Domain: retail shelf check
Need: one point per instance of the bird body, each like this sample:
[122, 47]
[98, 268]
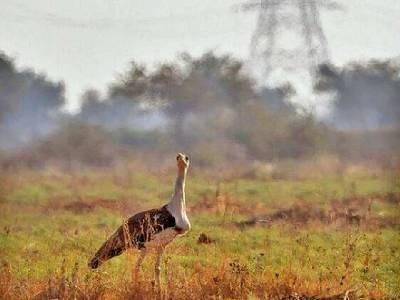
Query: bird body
[136, 232]
[153, 229]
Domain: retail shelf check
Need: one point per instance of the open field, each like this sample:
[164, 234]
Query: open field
[260, 237]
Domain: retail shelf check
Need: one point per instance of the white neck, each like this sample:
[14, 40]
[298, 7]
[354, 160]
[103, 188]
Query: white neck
[178, 198]
[177, 205]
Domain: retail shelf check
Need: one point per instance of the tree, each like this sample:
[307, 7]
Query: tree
[10, 86]
[132, 85]
[191, 87]
[29, 103]
[367, 95]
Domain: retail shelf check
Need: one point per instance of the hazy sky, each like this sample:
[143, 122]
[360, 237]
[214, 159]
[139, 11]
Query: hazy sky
[87, 43]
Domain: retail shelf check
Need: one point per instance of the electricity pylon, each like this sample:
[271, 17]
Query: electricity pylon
[288, 36]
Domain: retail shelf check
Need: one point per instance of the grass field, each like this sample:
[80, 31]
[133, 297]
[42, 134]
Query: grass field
[261, 237]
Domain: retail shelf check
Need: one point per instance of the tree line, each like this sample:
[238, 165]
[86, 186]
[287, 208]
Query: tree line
[207, 105]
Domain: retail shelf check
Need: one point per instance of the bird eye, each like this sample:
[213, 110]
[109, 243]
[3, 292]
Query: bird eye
[186, 158]
[177, 158]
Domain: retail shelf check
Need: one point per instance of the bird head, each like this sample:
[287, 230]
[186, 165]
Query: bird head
[182, 161]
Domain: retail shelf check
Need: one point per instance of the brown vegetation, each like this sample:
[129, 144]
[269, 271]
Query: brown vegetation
[354, 211]
[230, 280]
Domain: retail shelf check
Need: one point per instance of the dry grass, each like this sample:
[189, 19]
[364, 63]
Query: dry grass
[229, 280]
[320, 239]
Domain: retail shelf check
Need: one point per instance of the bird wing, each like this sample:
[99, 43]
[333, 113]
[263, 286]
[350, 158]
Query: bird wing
[134, 232]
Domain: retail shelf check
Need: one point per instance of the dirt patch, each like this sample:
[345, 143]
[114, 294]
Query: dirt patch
[79, 207]
[125, 206]
[300, 213]
[391, 198]
[89, 205]
[351, 211]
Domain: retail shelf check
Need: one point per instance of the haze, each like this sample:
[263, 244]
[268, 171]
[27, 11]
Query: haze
[87, 44]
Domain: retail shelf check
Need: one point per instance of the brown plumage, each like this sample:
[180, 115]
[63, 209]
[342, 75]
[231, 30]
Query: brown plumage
[134, 233]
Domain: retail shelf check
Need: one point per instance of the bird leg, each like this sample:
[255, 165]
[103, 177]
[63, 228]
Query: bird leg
[139, 264]
[157, 268]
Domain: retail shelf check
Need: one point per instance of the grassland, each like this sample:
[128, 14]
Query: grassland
[265, 237]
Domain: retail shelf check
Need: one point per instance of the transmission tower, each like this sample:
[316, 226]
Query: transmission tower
[288, 36]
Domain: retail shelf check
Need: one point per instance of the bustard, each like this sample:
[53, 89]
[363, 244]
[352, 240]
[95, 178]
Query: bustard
[150, 230]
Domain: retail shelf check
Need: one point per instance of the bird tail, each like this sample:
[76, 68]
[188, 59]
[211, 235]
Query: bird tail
[94, 263]
[112, 247]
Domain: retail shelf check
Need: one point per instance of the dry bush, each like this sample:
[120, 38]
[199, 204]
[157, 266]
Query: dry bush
[62, 285]
[205, 239]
